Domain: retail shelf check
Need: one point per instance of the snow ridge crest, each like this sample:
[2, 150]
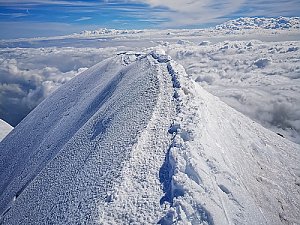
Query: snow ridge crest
[177, 174]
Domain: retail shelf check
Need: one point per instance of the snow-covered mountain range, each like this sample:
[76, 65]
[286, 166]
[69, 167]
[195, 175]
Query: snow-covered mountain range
[261, 23]
[135, 140]
[105, 31]
[243, 23]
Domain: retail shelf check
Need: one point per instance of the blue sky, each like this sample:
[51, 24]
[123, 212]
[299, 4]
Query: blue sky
[30, 18]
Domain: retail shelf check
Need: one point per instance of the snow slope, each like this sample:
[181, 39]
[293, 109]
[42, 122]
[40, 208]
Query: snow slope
[133, 140]
[61, 163]
[5, 128]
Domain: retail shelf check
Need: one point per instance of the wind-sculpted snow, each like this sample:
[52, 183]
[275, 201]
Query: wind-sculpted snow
[134, 140]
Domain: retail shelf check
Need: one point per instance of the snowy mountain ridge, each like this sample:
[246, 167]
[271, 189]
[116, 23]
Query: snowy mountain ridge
[106, 31]
[261, 23]
[134, 140]
[236, 24]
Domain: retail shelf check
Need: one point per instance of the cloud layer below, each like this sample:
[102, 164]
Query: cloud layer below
[28, 76]
[259, 79]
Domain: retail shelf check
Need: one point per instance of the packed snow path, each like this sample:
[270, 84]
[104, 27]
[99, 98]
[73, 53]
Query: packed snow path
[134, 141]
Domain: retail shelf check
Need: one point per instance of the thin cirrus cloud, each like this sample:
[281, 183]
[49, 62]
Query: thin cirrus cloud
[180, 13]
[84, 18]
[173, 13]
[39, 29]
[270, 8]
[195, 12]
[45, 2]
[14, 15]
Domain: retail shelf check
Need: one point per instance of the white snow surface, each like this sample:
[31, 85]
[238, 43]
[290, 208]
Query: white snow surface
[5, 128]
[135, 140]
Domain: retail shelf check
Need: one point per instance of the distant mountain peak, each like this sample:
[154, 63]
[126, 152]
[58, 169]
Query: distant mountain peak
[261, 23]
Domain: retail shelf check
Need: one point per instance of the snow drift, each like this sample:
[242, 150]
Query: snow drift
[133, 141]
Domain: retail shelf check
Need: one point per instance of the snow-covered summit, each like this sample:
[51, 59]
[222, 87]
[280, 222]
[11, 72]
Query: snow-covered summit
[261, 23]
[133, 140]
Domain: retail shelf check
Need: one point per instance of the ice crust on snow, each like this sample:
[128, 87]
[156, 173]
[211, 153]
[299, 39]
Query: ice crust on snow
[135, 140]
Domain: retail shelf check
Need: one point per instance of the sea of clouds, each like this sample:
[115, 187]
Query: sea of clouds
[259, 79]
[29, 75]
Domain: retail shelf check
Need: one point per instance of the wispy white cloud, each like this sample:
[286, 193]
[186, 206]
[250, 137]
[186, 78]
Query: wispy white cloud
[188, 12]
[271, 8]
[40, 29]
[46, 2]
[196, 12]
[167, 13]
[14, 15]
[84, 18]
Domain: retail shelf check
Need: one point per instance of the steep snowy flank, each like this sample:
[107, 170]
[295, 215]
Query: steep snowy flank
[134, 141]
[63, 161]
[223, 168]
[5, 128]
[227, 169]
[261, 23]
